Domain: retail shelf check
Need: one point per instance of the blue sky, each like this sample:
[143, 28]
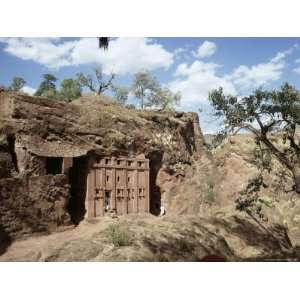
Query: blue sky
[192, 66]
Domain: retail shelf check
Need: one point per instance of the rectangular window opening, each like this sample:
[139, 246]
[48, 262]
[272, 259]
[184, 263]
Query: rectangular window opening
[54, 165]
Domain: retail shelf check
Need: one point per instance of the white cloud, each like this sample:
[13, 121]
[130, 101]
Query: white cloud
[196, 80]
[245, 77]
[297, 70]
[206, 49]
[28, 90]
[178, 52]
[195, 68]
[45, 51]
[125, 55]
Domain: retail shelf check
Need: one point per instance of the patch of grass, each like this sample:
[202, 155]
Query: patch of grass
[210, 194]
[119, 236]
[210, 182]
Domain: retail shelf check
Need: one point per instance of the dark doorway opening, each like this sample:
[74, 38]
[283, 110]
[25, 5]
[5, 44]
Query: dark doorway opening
[155, 159]
[78, 180]
[11, 148]
[107, 201]
[54, 165]
[5, 240]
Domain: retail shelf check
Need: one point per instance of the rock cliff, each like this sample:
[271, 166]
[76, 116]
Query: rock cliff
[38, 136]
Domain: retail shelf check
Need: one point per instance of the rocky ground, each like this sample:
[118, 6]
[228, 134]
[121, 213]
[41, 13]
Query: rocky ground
[148, 238]
[236, 164]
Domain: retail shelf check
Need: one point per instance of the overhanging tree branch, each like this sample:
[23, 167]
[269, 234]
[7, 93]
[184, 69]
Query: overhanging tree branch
[275, 110]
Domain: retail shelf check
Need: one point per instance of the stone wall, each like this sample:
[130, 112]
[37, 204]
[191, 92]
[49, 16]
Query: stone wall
[34, 204]
[27, 162]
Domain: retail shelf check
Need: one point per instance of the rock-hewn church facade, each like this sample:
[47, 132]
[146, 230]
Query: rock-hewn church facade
[117, 184]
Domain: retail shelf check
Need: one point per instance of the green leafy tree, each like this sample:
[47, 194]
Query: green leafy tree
[143, 87]
[130, 106]
[120, 93]
[261, 113]
[47, 87]
[95, 83]
[17, 84]
[164, 98]
[69, 90]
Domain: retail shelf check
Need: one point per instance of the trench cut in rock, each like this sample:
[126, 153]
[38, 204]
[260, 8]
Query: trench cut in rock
[118, 184]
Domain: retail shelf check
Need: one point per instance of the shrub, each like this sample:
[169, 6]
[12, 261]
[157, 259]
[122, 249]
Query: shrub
[217, 140]
[262, 158]
[210, 194]
[119, 236]
[251, 202]
[130, 106]
[210, 182]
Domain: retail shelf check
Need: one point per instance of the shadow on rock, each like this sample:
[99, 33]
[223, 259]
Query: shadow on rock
[5, 240]
[272, 240]
[190, 246]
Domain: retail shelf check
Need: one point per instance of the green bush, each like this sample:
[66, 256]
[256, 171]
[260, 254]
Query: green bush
[119, 236]
[210, 195]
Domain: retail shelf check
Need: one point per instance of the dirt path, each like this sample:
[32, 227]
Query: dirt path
[39, 248]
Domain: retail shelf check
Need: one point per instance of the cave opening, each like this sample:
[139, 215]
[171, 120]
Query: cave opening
[155, 163]
[78, 181]
[54, 165]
